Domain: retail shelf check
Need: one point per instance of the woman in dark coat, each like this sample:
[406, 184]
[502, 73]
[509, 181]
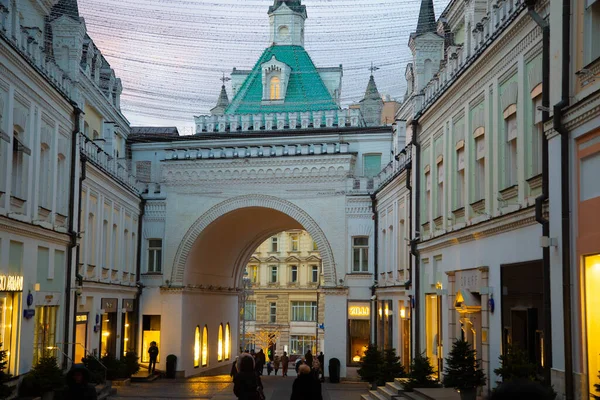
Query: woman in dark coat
[78, 386]
[306, 386]
[246, 383]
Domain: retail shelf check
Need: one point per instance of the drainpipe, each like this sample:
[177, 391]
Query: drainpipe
[565, 196]
[376, 265]
[71, 226]
[410, 263]
[543, 198]
[138, 271]
[413, 242]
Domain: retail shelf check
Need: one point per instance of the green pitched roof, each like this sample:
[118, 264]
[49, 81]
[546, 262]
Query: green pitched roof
[306, 91]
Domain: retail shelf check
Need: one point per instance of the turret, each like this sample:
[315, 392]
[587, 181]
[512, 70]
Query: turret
[287, 19]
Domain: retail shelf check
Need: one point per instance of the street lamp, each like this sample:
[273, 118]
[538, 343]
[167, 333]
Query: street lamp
[245, 293]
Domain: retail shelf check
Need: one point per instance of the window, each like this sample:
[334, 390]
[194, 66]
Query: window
[440, 189]
[460, 178]
[250, 311]
[115, 248]
[360, 254]
[272, 313]
[44, 189]
[205, 346]
[220, 344]
[275, 88]
[314, 246]
[274, 244]
[294, 274]
[479, 168]
[18, 165]
[197, 347]
[91, 246]
[427, 196]
[253, 273]
[510, 177]
[62, 187]
[537, 132]
[154, 255]
[227, 342]
[371, 165]
[294, 242]
[106, 237]
[301, 344]
[45, 332]
[592, 31]
[273, 274]
[315, 274]
[304, 311]
[127, 249]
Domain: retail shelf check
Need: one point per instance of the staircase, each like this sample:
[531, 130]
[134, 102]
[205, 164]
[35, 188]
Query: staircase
[105, 390]
[393, 390]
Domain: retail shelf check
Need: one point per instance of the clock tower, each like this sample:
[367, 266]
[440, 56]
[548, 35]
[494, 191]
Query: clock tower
[286, 19]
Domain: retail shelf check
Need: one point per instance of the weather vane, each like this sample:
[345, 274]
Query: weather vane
[224, 78]
[373, 68]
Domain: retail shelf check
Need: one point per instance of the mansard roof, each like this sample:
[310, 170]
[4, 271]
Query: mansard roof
[306, 90]
[294, 5]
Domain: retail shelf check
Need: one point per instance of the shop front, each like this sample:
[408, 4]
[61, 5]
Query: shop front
[588, 253]
[108, 327]
[128, 322]
[46, 323]
[81, 333]
[359, 330]
[11, 290]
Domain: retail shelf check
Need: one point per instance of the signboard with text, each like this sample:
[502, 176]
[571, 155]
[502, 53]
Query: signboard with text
[359, 310]
[11, 283]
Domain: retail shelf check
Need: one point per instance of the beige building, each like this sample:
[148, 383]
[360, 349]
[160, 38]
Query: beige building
[285, 274]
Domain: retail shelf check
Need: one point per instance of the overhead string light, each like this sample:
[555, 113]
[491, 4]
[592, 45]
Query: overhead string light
[171, 54]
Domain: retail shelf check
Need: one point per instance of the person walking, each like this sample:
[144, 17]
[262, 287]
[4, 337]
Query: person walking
[276, 362]
[305, 386]
[78, 387]
[247, 384]
[321, 358]
[153, 352]
[316, 368]
[260, 362]
[309, 358]
[285, 363]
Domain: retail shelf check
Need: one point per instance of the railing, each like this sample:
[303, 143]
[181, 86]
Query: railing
[107, 163]
[86, 352]
[278, 121]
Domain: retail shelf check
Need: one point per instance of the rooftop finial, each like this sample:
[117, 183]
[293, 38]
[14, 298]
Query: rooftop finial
[373, 68]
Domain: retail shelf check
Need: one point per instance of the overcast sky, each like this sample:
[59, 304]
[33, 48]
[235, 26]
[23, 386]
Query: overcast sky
[171, 54]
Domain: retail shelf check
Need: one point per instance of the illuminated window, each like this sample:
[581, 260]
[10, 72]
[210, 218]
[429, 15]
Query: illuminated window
[275, 88]
[205, 346]
[227, 342]
[592, 317]
[295, 242]
[45, 332]
[220, 344]
[314, 246]
[197, 347]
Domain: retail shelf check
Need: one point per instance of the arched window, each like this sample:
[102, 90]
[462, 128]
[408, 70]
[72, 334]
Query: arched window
[197, 347]
[205, 346]
[220, 344]
[227, 342]
[275, 88]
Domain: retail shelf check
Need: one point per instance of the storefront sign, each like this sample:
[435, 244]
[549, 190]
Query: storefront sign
[29, 313]
[110, 305]
[469, 279]
[47, 299]
[81, 318]
[11, 283]
[359, 310]
[127, 305]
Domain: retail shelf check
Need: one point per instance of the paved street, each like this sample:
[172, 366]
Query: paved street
[221, 388]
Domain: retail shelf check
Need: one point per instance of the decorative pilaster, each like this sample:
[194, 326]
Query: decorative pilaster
[451, 311]
[485, 323]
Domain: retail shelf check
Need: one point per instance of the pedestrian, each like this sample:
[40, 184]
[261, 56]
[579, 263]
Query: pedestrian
[247, 384]
[260, 362]
[322, 361]
[298, 363]
[309, 358]
[153, 352]
[269, 368]
[78, 387]
[305, 386]
[316, 367]
[234, 370]
[285, 363]
[276, 362]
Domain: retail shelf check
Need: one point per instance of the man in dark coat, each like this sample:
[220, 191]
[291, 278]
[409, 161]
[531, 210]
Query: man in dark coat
[306, 386]
[321, 358]
[309, 358]
[78, 386]
[153, 353]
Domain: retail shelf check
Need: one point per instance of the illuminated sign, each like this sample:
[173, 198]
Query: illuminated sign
[359, 310]
[81, 318]
[11, 283]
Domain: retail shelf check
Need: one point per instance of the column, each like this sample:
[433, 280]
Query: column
[336, 322]
[451, 311]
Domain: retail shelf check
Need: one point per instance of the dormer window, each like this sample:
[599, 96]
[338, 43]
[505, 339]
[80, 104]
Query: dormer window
[275, 88]
[275, 78]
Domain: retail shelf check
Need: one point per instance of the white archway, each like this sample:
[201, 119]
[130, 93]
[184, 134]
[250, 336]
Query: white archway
[254, 201]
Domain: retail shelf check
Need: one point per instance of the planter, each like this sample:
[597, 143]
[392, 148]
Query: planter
[468, 394]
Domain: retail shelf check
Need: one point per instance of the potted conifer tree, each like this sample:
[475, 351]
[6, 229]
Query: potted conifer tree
[5, 390]
[462, 370]
[370, 366]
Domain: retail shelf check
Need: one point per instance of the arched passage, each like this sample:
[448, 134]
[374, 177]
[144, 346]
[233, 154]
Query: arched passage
[217, 246]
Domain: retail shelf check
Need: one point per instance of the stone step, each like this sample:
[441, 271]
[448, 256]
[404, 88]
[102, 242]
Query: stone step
[395, 387]
[376, 395]
[386, 392]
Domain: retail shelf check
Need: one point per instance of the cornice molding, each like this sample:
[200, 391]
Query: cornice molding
[33, 231]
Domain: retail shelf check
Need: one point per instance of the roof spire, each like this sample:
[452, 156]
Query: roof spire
[372, 93]
[294, 5]
[66, 7]
[426, 18]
